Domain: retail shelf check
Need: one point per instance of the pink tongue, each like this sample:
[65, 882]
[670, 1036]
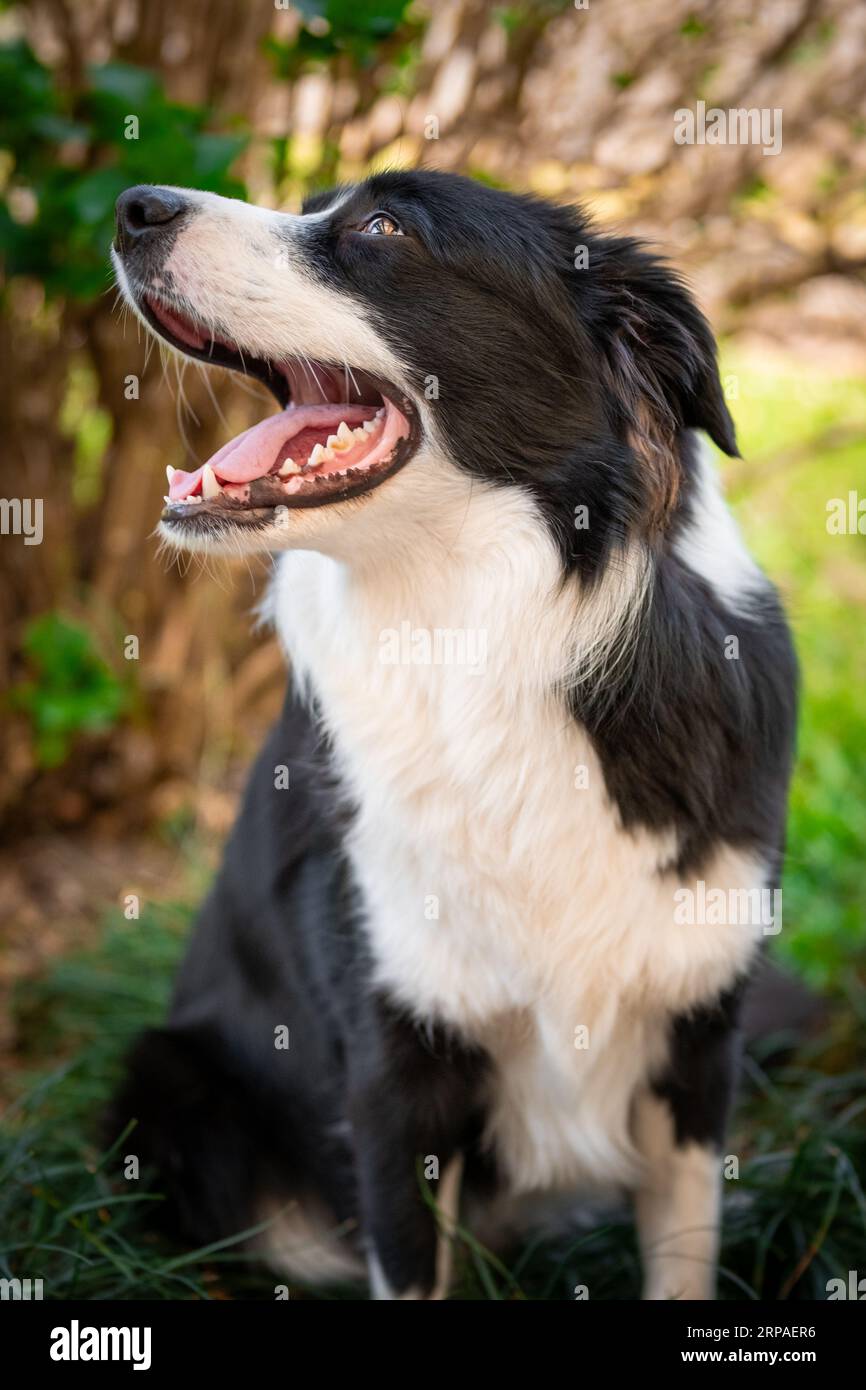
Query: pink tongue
[254, 453]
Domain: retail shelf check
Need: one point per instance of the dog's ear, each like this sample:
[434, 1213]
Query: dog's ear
[659, 357]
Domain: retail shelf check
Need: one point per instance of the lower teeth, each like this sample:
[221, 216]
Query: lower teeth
[289, 468]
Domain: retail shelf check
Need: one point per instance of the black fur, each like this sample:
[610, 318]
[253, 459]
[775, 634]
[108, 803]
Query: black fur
[691, 739]
[702, 1070]
[565, 380]
[541, 367]
[226, 1117]
[580, 385]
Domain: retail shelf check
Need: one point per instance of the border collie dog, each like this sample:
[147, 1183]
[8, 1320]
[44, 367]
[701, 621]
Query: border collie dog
[465, 957]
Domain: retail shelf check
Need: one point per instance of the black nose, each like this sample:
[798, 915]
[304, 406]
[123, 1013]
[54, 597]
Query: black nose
[145, 211]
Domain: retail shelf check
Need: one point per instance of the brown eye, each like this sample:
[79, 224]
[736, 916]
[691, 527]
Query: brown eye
[380, 224]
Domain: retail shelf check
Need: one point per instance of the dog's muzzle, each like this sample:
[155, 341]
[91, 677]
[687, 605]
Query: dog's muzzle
[144, 214]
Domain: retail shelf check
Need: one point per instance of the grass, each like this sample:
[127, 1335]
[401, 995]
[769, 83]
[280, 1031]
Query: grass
[795, 1216]
[804, 436]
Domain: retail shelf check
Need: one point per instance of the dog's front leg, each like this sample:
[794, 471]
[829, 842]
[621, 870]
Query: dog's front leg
[679, 1128]
[411, 1101]
[677, 1207]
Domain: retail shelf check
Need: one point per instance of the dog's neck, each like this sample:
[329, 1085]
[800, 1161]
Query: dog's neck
[468, 595]
[439, 675]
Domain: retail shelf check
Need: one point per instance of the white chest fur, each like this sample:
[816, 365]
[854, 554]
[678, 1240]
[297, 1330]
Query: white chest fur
[501, 893]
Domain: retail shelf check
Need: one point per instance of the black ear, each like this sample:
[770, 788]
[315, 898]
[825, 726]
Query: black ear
[659, 358]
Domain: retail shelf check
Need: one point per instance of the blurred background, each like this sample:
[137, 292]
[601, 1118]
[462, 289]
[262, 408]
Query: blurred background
[119, 773]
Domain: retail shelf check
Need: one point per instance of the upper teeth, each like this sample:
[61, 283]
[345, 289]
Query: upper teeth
[209, 485]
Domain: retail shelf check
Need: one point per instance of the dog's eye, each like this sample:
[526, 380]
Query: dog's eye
[380, 224]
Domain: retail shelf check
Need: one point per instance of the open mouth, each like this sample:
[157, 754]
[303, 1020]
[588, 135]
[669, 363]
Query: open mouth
[339, 433]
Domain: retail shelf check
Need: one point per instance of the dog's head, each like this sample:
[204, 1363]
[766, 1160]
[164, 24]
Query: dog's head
[422, 333]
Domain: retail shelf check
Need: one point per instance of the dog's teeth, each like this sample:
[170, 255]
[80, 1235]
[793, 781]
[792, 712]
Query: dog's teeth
[166, 499]
[169, 473]
[318, 455]
[209, 485]
[341, 442]
[367, 427]
[289, 466]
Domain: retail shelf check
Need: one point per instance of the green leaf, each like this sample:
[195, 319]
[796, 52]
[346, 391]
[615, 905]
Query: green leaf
[215, 154]
[71, 690]
[96, 195]
[66, 244]
[135, 88]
